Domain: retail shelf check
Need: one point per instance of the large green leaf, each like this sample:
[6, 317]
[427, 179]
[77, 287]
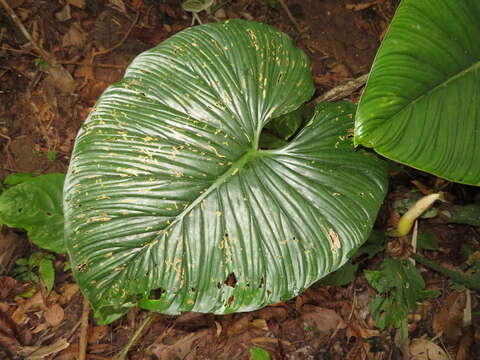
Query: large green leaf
[36, 206]
[169, 202]
[421, 105]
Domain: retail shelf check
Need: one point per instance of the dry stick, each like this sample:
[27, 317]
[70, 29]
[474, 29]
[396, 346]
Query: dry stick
[289, 14]
[44, 54]
[138, 334]
[342, 91]
[82, 351]
[79, 63]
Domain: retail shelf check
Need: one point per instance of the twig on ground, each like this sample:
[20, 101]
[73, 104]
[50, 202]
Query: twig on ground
[42, 52]
[342, 91]
[73, 330]
[6, 48]
[7, 149]
[122, 40]
[79, 63]
[82, 350]
[289, 14]
[138, 334]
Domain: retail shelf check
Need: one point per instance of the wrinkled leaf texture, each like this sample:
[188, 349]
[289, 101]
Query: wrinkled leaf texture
[421, 104]
[171, 206]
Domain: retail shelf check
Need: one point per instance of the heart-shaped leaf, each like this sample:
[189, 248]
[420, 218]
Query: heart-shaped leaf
[421, 105]
[171, 205]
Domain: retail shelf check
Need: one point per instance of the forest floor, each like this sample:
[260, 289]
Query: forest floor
[40, 114]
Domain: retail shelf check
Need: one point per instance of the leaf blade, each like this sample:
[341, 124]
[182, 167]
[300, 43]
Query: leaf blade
[171, 205]
[419, 96]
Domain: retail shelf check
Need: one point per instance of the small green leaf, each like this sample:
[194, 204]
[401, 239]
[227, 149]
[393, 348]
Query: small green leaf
[36, 205]
[401, 287]
[259, 354]
[272, 3]
[27, 294]
[47, 273]
[67, 266]
[343, 276]
[376, 280]
[22, 261]
[427, 241]
[35, 258]
[374, 244]
[41, 63]
[52, 155]
[196, 5]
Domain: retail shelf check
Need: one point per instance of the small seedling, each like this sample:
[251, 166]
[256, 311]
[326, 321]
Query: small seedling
[401, 287]
[39, 266]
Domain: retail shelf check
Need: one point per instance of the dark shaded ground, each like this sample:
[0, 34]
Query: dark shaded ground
[40, 115]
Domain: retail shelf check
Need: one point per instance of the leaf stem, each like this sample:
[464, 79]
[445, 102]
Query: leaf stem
[138, 334]
[455, 276]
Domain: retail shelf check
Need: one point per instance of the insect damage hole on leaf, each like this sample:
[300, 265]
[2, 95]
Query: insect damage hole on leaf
[231, 280]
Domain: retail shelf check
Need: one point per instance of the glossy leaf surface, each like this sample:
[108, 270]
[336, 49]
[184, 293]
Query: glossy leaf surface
[421, 105]
[171, 205]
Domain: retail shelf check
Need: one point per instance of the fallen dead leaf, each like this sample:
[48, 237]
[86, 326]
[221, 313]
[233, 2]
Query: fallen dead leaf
[322, 319]
[98, 333]
[64, 14]
[270, 312]
[24, 306]
[61, 79]
[41, 352]
[54, 315]
[78, 3]
[39, 328]
[423, 349]
[10, 245]
[9, 334]
[179, 349]
[449, 319]
[218, 329]
[75, 36]
[465, 344]
[68, 291]
[240, 325]
[260, 324]
[7, 284]
[9, 343]
[358, 331]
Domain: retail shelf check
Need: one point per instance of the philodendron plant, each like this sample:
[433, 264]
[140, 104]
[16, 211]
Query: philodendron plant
[421, 106]
[171, 203]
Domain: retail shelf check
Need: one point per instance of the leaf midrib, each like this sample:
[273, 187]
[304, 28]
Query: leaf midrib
[433, 89]
[235, 168]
